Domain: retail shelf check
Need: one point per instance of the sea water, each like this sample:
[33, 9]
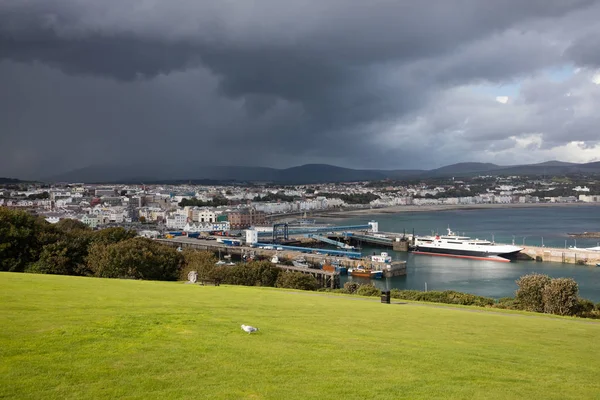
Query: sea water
[531, 226]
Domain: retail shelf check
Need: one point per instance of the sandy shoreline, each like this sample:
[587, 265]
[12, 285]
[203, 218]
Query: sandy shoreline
[430, 208]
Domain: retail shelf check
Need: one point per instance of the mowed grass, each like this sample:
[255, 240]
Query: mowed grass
[87, 338]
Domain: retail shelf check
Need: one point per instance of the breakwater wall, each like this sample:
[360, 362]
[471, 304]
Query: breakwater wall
[561, 255]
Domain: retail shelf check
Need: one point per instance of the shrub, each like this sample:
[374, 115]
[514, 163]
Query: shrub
[350, 287]
[584, 308]
[297, 280]
[368, 290]
[255, 273]
[560, 296]
[530, 291]
[507, 303]
[404, 294]
[447, 297]
[137, 258]
[203, 262]
[468, 299]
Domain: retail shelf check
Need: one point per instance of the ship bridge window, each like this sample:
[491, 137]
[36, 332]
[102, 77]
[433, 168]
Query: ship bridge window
[426, 240]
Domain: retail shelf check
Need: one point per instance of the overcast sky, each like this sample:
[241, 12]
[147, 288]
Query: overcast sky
[375, 84]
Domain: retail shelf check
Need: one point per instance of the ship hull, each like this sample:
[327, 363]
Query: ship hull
[465, 253]
[366, 274]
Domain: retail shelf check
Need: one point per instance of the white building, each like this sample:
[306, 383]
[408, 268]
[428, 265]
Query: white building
[206, 215]
[152, 213]
[176, 221]
[207, 226]
[251, 236]
[589, 198]
[90, 220]
[116, 214]
[581, 189]
[53, 219]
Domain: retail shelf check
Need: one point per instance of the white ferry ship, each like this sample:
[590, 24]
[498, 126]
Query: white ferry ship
[452, 245]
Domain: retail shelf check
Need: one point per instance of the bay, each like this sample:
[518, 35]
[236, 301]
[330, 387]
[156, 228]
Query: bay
[532, 226]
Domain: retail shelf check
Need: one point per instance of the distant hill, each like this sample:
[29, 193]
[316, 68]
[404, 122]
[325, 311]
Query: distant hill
[468, 168]
[310, 173]
[555, 163]
[4, 181]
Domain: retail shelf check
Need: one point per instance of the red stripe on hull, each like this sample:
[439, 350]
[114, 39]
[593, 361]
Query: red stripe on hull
[497, 259]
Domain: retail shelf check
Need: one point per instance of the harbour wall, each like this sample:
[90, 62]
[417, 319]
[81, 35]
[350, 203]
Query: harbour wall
[561, 255]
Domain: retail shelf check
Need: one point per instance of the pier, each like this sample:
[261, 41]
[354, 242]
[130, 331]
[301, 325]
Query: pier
[326, 279]
[396, 268]
[561, 255]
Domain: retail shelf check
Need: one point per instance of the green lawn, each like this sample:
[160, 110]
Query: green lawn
[68, 337]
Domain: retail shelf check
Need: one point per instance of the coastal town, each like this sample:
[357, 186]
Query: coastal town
[204, 208]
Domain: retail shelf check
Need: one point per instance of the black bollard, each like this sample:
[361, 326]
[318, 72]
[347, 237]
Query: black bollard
[385, 297]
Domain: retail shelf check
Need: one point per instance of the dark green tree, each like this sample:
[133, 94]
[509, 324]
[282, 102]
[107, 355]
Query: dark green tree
[22, 237]
[137, 258]
[112, 235]
[203, 262]
[297, 280]
[68, 225]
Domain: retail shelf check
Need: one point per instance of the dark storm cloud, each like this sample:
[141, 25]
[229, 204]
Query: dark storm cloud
[279, 82]
[586, 51]
[125, 58]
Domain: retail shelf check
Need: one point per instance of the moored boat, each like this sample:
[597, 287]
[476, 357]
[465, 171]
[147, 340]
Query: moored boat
[382, 258]
[300, 263]
[362, 272]
[452, 245]
[335, 267]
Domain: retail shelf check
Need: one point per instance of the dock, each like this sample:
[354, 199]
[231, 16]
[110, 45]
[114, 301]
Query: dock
[561, 255]
[396, 268]
[326, 279]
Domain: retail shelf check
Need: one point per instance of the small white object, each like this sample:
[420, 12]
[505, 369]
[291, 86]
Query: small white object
[249, 329]
[192, 277]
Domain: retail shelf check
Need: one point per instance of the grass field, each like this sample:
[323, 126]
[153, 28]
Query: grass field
[68, 337]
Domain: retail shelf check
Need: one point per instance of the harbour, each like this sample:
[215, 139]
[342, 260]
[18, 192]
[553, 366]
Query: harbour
[538, 237]
[537, 230]
[314, 263]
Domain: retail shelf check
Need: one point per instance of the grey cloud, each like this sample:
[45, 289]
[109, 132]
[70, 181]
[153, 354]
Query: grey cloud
[270, 83]
[586, 51]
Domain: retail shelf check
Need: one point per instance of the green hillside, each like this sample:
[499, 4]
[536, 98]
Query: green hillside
[90, 338]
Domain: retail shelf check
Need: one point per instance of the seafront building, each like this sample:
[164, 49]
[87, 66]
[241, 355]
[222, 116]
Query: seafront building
[146, 207]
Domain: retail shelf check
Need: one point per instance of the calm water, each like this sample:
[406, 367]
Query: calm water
[487, 278]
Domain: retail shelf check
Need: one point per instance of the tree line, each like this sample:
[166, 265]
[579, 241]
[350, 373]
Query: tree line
[30, 244]
[215, 202]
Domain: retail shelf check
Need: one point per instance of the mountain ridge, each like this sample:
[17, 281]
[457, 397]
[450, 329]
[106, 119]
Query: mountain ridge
[308, 173]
